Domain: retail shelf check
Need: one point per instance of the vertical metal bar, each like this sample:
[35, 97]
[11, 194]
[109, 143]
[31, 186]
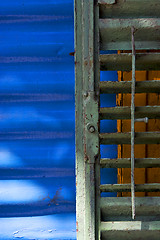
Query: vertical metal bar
[132, 123]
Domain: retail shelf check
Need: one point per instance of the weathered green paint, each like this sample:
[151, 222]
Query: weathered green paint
[133, 230]
[131, 235]
[124, 138]
[115, 33]
[116, 19]
[148, 187]
[114, 208]
[91, 127]
[123, 61]
[130, 226]
[129, 9]
[107, 2]
[151, 112]
[87, 117]
[126, 163]
[130, 230]
[80, 176]
[125, 87]
[97, 92]
[119, 209]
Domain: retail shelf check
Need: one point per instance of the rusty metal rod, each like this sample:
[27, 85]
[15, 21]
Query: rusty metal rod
[132, 122]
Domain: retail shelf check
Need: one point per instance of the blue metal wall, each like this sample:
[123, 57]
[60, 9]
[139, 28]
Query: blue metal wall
[108, 175]
[37, 177]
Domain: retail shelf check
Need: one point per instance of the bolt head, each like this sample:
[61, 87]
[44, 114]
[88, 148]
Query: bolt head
[92, 129]
[85, 94]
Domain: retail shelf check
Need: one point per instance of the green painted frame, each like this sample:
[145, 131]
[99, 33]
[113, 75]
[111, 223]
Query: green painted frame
[87, 71]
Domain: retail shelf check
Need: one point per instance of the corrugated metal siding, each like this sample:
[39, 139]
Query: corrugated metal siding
[37, 120]
[37, 177]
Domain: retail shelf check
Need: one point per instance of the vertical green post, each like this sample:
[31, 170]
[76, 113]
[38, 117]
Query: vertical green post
[87, 117]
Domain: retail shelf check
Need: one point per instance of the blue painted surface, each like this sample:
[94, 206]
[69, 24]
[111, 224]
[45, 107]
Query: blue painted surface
[37, 148]
[109, 151]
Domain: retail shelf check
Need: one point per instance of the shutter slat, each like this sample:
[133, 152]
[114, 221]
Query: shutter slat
[126, 163]
[145, 206]
[109, 87]
[130, 230]
[129, 8]
[123, 61]
[147, 187]
[125, 138]
[130, 226]
[151, 112]
[115, 33]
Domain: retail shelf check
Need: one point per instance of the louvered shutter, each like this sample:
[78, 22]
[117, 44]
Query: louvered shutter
[131, 27]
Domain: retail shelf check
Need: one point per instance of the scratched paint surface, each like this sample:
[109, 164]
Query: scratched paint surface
[37, 148]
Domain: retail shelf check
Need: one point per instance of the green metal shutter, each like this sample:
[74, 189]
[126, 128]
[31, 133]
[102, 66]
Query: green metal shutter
[114, 25]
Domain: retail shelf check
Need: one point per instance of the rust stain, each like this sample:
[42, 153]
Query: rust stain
[55, 199]
[77, 226]
[72, 53]
[88, 63]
